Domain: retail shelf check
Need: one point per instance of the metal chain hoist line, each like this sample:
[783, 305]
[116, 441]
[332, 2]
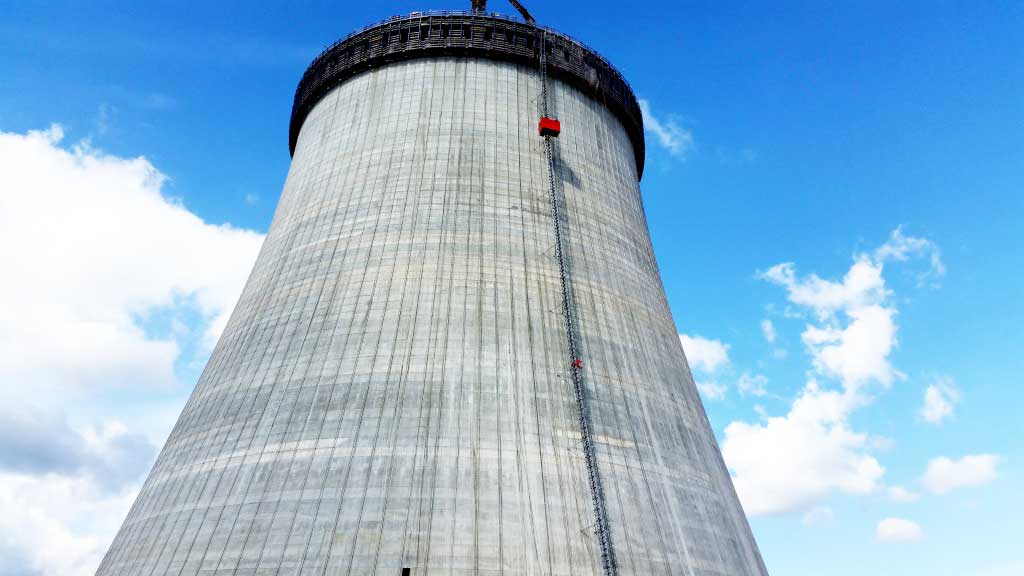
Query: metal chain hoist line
[576, 363]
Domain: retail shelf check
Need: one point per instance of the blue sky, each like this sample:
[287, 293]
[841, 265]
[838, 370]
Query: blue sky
[875, 147]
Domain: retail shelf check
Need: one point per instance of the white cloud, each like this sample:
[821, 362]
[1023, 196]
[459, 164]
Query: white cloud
[63, 491]
[669, 134]
[704, 354]
[91, 248]
[818, 516]
[861, 286]
[711, 390]
[900, 248]
[857, 352]
[792, 462]
[901, 494]
[768, 330]
[855, 331]
[754, 384]
[898, 530]
[109, 278]
[939, 399]
[56, 524]
[944, 474]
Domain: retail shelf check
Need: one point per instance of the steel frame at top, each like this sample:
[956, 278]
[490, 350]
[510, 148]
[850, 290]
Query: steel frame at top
[476, 34]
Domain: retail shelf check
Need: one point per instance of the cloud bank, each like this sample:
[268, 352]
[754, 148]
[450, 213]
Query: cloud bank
[108, 279]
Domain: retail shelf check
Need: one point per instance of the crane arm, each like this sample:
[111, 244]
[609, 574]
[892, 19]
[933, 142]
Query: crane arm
[481, 6]
[523, 11]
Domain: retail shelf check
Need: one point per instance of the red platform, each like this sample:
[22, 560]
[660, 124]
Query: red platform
[549, 127]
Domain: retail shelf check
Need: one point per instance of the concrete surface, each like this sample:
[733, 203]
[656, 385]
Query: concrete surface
[392, 388]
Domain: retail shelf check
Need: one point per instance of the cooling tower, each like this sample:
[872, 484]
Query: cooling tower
[454, 354]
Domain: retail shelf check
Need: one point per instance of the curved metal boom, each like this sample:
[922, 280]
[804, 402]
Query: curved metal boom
[481, 6]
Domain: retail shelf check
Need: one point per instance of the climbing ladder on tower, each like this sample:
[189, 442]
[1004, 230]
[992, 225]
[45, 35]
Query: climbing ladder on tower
[549, 129]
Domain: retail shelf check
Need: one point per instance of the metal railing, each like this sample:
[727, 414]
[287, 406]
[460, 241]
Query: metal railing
[474, 34]
[470, 13]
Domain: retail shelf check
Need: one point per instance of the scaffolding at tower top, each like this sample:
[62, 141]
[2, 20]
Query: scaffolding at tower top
[475, 34]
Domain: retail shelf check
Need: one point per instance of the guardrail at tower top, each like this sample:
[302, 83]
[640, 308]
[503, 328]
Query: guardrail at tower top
[467, 33]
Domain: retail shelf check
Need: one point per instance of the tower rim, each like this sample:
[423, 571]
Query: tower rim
[474, 34]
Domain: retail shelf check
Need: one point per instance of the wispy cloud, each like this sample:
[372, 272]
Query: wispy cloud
[706, 357]
[900, 247]
[159, 101]
[944, 474]
[1012, 568]
[899, 530]
[818, 516]
[704, 354]
[104, 119]
[754, 384]
[901, 494]
[939, 400]
[677, 140]
[711, 390]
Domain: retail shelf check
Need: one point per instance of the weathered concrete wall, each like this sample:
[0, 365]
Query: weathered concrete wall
[392, 389]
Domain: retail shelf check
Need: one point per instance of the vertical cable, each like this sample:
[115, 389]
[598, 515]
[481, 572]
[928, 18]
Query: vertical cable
[589, 454]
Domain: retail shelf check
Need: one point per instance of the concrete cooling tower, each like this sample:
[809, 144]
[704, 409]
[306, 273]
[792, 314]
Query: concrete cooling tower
[454, 354]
